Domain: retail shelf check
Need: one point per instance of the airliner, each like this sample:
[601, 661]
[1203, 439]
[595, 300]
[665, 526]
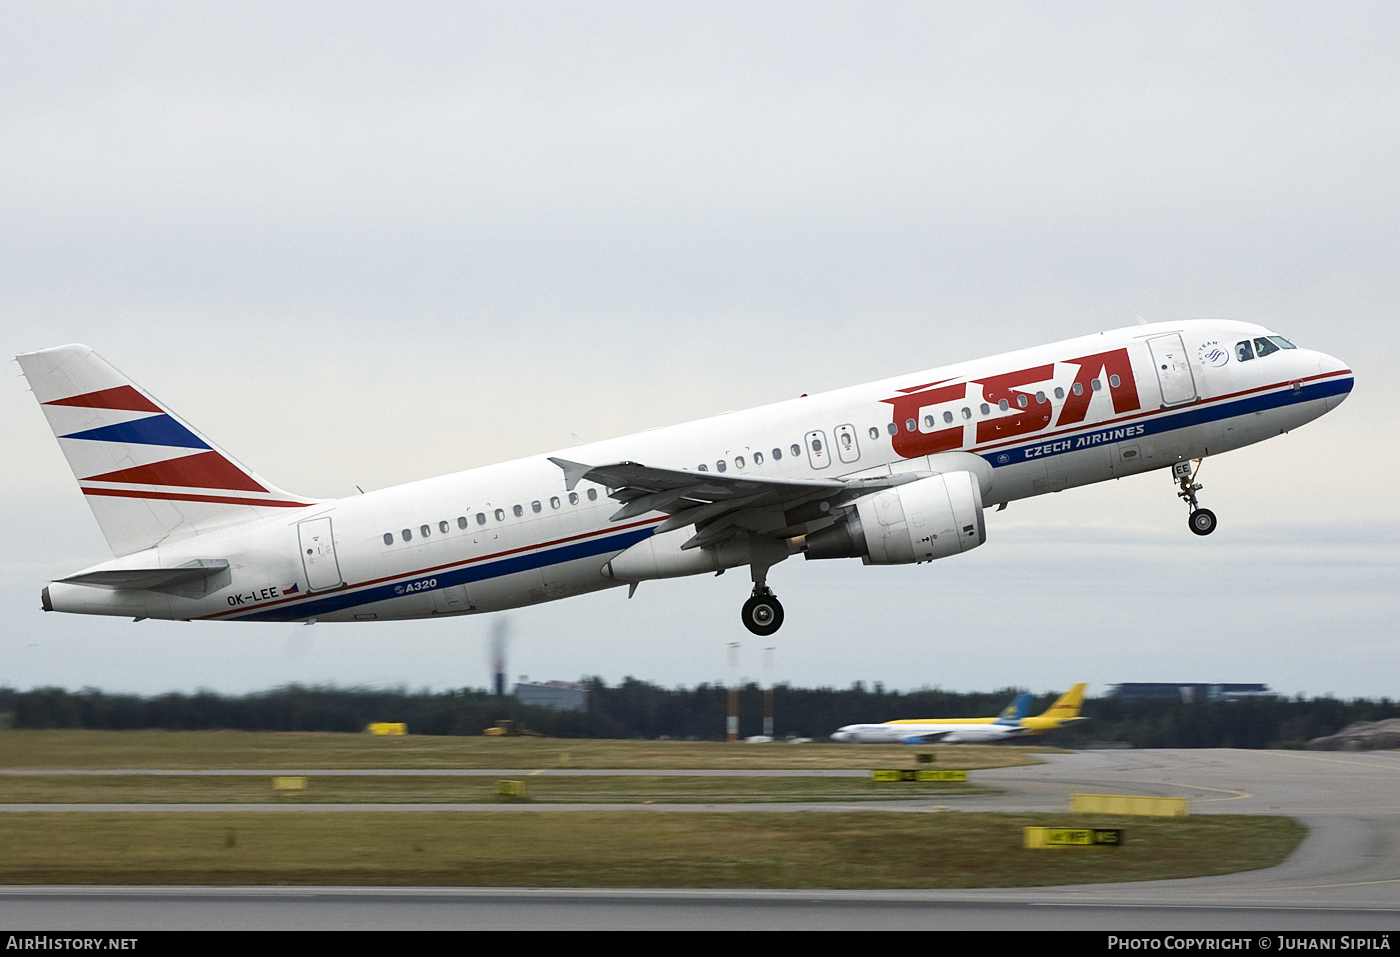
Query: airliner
[893, 472]
[1012, 723]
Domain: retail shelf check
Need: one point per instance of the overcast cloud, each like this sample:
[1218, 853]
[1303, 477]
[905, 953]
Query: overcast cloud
[359, 244]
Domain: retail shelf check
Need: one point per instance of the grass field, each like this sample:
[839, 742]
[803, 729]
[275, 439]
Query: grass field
[539, 847]
[147, 789]
[270, 750]
[618, 849]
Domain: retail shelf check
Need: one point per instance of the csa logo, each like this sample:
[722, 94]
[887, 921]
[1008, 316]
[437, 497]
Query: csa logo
[1212, 353]
[1003, 458]
[398, 589]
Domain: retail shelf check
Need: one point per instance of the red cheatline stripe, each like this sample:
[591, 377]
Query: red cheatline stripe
[204, 470]
[185, 497]
[123, 397]
[541, 546]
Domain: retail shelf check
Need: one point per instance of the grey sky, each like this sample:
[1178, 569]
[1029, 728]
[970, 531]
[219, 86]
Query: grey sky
[368, 243]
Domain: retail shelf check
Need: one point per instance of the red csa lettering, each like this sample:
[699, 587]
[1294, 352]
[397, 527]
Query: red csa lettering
[1033, 418]
[913, 444]
[1124, 395]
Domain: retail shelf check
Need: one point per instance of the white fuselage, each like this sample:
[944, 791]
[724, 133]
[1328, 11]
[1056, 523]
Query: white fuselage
[952, 731]
[513, 534]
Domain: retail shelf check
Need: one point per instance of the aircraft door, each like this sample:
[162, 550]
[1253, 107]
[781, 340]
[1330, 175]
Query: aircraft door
[1173, 369]
[318, 554]
[817, 452]
[847, 445]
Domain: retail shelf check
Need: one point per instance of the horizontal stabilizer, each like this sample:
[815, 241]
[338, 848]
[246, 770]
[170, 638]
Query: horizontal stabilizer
[149, 578]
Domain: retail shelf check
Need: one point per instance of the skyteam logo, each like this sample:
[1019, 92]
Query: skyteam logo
[1213, 353]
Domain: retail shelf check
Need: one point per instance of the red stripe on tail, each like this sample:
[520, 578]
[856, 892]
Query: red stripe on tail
[204, 470]
[122, 397]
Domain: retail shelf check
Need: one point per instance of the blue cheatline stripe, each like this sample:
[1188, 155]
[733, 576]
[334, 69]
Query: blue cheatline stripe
[1166, 422]
[154, 430]
[446, 579]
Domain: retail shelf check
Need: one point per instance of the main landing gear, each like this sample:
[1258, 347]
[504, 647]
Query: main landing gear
[762, 613]
[1201, 520]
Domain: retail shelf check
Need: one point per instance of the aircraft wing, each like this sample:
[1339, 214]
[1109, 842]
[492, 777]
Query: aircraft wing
[723, 505]
[927, 737]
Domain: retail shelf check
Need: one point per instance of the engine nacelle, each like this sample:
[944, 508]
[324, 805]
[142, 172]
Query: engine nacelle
[931, 518]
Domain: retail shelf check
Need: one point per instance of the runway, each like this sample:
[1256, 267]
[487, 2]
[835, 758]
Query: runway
[1344, 877]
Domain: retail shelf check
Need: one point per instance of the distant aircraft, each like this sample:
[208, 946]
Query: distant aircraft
[893, 472]
[1011, 723]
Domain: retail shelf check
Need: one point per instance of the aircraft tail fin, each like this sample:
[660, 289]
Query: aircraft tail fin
[1016, 710]
[1066, 706]
[148, 476]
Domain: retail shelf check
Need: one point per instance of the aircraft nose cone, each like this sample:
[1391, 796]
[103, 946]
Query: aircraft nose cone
[1340, 380]
[842, 736]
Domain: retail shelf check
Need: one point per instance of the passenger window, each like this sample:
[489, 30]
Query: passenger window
[893, 430]
[720, 466]
[777, 455]
[1078, 388]
[947, 417]
[461, 521]
[1040, 397]
[817, 443]
[967, 413]
[573, 498]
[1263, 347]
[738, 461]
[1003, 405]
[500, 515]
[535, 507]
[1059, 393]
[424, 530]
[909, 426]
[593, 495]
[797, 449]
[1095, 384]
[1114, 381]
[703, 467]
[928, 421]
[519, 510]
[388, 538]
[1022, 401]
[554, 502]
[442, 527]
[1244, 351]
[758, 458]
[407, 534]
[481, 518]
[874, 432]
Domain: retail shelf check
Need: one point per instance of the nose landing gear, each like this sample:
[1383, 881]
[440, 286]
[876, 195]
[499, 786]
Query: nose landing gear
[1201, 520]
[762, 613]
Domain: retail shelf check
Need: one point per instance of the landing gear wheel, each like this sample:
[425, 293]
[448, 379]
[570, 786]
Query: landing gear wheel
[762, 614]
[1202, 521]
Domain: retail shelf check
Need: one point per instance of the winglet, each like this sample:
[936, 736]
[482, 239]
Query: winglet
[574, 472]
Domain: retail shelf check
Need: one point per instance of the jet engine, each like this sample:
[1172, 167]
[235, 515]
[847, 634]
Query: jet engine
[932, 518]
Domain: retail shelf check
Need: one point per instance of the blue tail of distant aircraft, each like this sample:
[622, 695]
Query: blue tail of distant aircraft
[1016, 710]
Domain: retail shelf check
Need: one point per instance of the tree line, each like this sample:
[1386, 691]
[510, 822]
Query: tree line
[639, 709]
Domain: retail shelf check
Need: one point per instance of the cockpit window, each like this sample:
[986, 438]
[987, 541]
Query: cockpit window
[1281, 342]
[1263, 347]
[1244, 351]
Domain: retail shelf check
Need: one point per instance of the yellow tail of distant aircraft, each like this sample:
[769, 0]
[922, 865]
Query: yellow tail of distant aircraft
[1013, 722]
